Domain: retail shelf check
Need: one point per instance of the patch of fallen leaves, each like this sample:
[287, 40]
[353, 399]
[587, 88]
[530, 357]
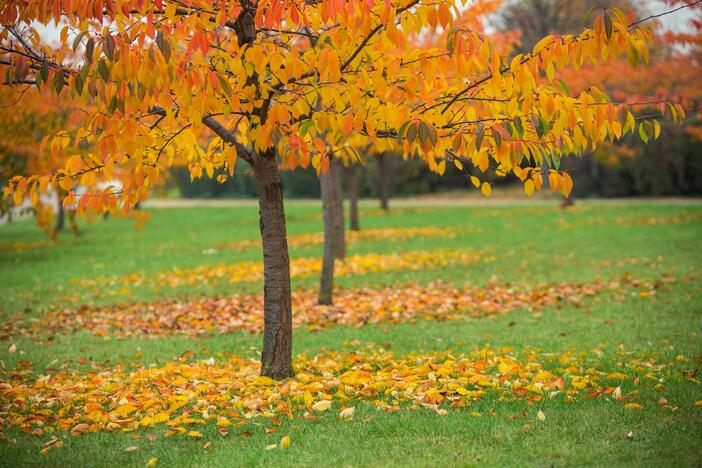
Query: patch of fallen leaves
[683, 217]
[228, 392]
[252, 271]
[354, 307]
[368, 235]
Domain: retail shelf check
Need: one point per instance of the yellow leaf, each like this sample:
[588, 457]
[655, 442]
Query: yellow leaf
[347, 413]
[529, 187]
[541, 416]
[633, 406]
[322, 405]
[152, 461]
[285, 442]
[486, 189]
[195, 434]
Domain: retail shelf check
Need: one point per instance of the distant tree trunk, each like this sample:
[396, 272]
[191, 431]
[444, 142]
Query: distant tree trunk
[352, 180]
[383, 182]
[334, 235]
[568, 201]
[326, 281]
[335, 200]
[276, 359]
[60, 215]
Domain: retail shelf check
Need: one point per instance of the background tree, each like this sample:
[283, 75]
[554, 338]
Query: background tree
[155, 75]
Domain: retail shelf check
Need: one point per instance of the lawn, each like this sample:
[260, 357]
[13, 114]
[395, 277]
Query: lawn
[621, 303]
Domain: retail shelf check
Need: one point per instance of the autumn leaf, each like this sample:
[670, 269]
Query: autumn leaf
[322, 405]
[347, 414]
[285, 442]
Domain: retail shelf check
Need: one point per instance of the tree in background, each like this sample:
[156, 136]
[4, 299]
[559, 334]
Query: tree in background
[24, 135]
[535, 19]
[671, 164]
[155, 75]
[352, 189]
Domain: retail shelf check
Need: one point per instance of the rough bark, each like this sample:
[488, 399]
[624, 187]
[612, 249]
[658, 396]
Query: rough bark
[352, 181]
[383, 182]
[334, 231]
[276, 359]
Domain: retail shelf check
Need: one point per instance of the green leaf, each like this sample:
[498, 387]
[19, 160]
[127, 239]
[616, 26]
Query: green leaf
[608, 25]
[79, 82]
[104, 71]
[44, 72]
[110, 47]
[498, 139]
[564, 86]
[89, 49]
[412, 132]
[164, 46]
[542, 127]
[479, 134]
[79, 37]
[58, 81]
[423, 133]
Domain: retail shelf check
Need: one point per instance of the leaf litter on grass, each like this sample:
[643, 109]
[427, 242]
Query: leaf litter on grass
[353, 307]
[227, 391]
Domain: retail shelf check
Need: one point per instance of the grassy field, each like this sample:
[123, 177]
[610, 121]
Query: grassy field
[653, 250]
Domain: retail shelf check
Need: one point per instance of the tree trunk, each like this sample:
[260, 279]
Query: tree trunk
[354, 223]
[276, 359]
[60, 215]
[326, 281]
[334, 242]
[568, 201]
[337, 204]
[383, 182]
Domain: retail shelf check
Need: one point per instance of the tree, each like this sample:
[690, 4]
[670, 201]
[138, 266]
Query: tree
[672, 76]
[24, 150]
[535, 19]
[352, 189]
[156, 76]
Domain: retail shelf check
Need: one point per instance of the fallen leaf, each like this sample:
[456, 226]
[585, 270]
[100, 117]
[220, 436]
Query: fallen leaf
[322, 405]
[690, 374]
[271, 447]
[13, 348]
[541, 416]
[617, 393]
[133, 448]
[78, 429]
[285, 442]
[633, 406]
[152, 461]
[347, 413]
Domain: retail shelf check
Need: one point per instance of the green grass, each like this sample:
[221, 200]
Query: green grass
[531, 244]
